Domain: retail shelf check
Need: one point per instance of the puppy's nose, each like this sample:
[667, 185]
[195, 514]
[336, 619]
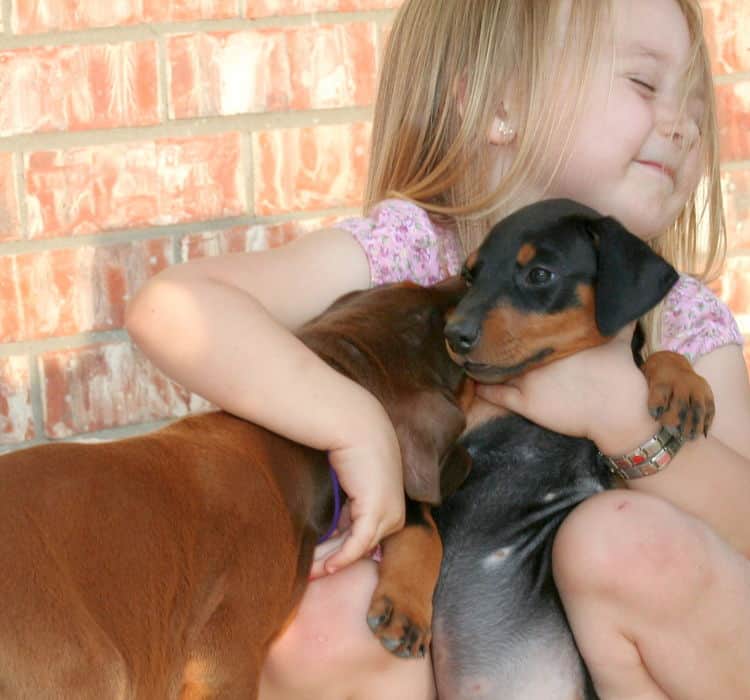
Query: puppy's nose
[462, 335]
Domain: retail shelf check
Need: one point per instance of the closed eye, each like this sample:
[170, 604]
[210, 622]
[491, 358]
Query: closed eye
[643, 84]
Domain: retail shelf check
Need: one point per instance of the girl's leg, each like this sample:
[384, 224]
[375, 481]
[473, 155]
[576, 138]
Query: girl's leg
[659, 604]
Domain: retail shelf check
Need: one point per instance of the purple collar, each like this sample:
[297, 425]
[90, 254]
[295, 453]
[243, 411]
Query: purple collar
[336, 506]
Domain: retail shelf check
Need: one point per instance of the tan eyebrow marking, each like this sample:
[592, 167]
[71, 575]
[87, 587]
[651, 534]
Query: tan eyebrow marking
[526, 254]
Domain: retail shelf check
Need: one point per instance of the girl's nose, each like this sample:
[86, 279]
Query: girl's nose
[673, 122]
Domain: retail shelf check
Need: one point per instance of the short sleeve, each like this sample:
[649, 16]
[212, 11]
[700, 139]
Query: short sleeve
[695, 321]
[402, 243]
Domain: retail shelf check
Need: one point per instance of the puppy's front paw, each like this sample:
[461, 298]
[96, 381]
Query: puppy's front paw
[403, 631]
[678, 397]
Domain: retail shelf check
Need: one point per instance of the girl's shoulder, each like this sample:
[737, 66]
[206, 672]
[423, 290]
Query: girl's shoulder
[695, 321]
[402, 243]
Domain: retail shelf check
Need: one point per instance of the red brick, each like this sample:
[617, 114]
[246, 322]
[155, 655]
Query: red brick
[78, 87]
[45, 15]
[736, 186]
[188, 10]
[727, 28]
[78, 290]
[106, 386]
[16, 419]
[11, 305]
[270, 8]
[53, 15]
[310, 168]
[85, 190]
[272, 69]
[9, 217]
[733, 102]
[244, 239]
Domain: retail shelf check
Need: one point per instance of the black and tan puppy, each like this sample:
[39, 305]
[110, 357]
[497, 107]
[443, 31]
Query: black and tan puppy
[552, 279]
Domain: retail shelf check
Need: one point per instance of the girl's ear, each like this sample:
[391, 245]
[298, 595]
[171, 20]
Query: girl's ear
[631, 278]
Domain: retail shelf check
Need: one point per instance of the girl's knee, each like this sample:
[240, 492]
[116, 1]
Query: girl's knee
[635, 550]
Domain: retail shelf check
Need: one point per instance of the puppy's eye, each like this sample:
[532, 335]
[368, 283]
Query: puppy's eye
[539, 276]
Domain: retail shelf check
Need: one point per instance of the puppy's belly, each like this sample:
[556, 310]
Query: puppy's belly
[542, 669]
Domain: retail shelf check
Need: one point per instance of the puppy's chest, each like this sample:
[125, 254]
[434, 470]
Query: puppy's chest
[523, 482]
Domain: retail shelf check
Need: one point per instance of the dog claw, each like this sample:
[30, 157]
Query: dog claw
[375, 623]
[391, 645]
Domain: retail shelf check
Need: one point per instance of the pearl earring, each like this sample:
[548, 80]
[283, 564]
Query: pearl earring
[505, 132]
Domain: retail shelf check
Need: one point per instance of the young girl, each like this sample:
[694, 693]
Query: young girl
[485, 106]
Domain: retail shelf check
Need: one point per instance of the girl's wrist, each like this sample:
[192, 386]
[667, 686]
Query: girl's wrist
[628, 436]
[360, 416]
[626, 423]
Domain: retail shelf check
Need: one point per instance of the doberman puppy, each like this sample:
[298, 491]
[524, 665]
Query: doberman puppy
[162, 566]
[551, 279]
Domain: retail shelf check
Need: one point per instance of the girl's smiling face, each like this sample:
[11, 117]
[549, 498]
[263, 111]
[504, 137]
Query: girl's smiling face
[635, 150]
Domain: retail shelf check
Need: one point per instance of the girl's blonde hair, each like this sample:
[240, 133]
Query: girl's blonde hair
[448, 67]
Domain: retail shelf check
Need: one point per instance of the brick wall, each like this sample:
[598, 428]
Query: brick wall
[137, 134]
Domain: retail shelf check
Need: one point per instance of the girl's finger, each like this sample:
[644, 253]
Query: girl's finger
[360, 541]
[323, 552]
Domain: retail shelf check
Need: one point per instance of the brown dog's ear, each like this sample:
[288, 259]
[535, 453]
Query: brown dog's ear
[454, 468]
[631, 278]
[427, 426]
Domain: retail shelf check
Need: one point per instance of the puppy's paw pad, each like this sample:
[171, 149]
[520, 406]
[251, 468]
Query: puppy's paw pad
[401, 633]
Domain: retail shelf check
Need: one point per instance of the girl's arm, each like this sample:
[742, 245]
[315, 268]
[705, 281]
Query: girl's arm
[600, 394]
[222, 327]
[711, 478]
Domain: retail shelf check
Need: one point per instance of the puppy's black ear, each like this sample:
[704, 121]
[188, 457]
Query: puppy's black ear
[631, 278]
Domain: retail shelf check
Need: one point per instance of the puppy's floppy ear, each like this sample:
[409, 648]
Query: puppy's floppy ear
[427, 425]
[631, 278]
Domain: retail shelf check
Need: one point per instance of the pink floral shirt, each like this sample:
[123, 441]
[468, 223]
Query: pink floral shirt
[402, 243]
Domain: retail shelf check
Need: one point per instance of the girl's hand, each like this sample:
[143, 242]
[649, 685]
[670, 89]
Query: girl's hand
[371, 475]
[597, 393]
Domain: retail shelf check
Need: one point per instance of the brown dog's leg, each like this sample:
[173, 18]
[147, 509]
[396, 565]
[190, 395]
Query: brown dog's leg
[400, 613]
[678, 397]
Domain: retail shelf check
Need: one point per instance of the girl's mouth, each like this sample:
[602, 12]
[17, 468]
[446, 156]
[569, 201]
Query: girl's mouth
[661, 167]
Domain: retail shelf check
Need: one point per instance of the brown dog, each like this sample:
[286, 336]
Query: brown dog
[163, 566]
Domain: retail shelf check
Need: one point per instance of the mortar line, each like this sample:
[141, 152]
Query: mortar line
[185, 128]
[37, 392]
[39, 346]
[146, 233]
[106, 434]
[145, 30]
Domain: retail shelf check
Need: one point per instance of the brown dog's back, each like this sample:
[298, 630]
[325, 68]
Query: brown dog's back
[164, 522]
